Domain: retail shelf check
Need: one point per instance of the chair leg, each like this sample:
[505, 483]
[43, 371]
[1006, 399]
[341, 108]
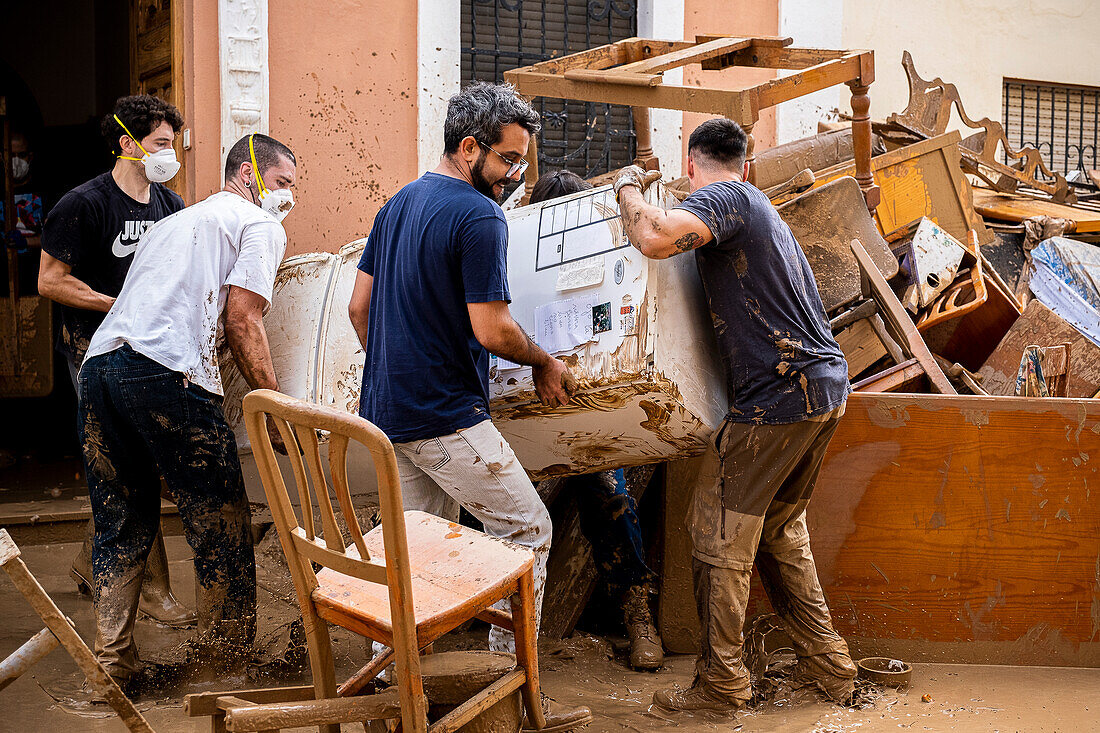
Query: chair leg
[527, 651]
[321, 662]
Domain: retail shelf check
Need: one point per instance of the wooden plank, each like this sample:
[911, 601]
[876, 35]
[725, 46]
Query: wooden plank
[861, 346]
[894, 312]
[731, 103]
[773, 56]
[1016, 208]
[691, 55]
[937, 537]
[1041, 326]
[607, 77]
[478, 704]
[893, 379]
[278, 715]
[201, 704]
[807, 81]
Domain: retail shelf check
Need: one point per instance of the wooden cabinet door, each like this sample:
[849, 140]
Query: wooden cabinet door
[154, 65]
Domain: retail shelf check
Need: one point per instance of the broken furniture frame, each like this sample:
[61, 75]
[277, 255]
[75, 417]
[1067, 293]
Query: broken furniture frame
[403, 584]
[630, 72]
[928, 114]
[903, 332]
[59, 631]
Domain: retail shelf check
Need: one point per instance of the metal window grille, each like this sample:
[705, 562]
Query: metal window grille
[1061, 121]
[498, 35]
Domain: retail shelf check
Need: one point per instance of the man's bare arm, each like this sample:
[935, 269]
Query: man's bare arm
[247, 340]
[56, 282]
[497, 331]
[359, 305]
[658, 233]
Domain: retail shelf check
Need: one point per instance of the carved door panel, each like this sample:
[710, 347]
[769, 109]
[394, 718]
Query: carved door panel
[153, 66]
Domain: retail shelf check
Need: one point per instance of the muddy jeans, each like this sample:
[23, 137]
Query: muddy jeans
[476, 468]
[138, 421]
[750, 506]
[609, 520]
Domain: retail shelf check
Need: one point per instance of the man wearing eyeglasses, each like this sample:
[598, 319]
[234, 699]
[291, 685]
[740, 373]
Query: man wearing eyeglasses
[430, 303]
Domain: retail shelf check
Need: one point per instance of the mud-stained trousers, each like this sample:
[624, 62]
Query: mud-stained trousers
[476, 468]
[139, 421]
[750, 505]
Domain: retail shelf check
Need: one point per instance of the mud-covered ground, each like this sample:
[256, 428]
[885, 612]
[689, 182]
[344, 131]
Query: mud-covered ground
[583, 669]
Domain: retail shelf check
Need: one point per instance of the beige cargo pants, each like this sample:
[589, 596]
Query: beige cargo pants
[750, 506]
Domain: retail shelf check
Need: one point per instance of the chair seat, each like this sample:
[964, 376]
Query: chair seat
[454, 569]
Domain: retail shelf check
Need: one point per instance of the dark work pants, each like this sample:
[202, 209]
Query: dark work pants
[609, 520]
[139, 421]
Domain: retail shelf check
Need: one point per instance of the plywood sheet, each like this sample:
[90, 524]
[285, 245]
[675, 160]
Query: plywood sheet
[951, 528]
[1008, 207]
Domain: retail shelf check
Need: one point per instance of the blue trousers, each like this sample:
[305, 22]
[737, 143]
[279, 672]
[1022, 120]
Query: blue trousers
[609, 520]
[139, 421]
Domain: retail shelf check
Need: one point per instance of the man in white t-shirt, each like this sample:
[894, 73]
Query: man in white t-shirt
[151, 404]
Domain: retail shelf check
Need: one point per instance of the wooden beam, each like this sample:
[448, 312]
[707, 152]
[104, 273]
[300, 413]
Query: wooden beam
[278, 715]
[892, 379]
[611, 76]
[815, 78]
[690, 55]
[894, 312]
[479, 703]
[201, 704]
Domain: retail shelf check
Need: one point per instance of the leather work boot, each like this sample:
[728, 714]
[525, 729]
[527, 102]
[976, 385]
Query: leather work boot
[645, 644]
[838, 688]
[559, 718]
[696, 697]
[157, 601]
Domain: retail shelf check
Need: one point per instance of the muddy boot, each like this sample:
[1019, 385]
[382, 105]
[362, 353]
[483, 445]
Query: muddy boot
[559, 718]
[157, 601]
[645, 644]
[81, 570]
[697, 697]
[790, 579]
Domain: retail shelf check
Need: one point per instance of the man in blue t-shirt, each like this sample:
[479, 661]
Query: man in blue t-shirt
[788, 382]
[430, 303]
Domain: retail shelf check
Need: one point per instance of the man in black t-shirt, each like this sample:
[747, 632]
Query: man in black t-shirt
[88, 243]
[788, 382]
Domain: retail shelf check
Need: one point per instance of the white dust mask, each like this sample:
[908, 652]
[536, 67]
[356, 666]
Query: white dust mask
[278, 203]
[20, 169]
[161, 166]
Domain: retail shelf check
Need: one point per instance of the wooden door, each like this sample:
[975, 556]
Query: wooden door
[155, 66]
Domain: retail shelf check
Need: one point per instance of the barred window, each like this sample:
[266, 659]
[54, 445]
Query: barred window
[498, 35]
[1060, 120]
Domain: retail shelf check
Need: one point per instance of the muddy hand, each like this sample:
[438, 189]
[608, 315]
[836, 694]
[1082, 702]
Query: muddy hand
[636, 177]
[551, 382]
[276, 437]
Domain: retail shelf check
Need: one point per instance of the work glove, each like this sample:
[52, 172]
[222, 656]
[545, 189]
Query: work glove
[637, 177]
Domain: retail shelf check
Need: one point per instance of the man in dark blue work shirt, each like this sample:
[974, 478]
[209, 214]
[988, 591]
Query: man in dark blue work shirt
[430, 303]
[788, 383]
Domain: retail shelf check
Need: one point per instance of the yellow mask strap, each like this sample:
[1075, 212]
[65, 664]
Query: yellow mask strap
[127, 157]
[256, 168]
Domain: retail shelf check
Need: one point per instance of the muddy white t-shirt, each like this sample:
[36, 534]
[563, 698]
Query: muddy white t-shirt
[171, 304]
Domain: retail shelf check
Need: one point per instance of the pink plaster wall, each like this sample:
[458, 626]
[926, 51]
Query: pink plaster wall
[744, 18]
[343, 97]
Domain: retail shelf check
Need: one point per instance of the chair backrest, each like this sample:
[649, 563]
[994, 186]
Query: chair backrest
[303, 542]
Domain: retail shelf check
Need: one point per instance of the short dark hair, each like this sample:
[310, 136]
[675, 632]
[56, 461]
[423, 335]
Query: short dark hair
[482, 110]
[141, 113]
[720, 140]
[268, 151]
[558, 183]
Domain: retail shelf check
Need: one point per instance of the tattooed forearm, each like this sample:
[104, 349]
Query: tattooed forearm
[689, 241]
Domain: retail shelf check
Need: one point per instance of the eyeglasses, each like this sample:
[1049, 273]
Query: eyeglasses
[516, 166]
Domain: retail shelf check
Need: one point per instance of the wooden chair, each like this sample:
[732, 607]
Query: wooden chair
[404, 584]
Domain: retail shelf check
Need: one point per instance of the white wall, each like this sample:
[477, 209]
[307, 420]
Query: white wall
[814, 24]
[664, 20]
[439, 73]
[973, 44]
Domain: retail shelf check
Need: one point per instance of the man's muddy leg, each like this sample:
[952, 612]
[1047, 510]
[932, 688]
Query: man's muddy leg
[124, 490]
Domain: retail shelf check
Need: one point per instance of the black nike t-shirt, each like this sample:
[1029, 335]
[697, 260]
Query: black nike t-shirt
[95, 229]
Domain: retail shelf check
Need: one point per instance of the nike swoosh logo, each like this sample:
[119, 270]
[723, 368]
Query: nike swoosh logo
[118, 249]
